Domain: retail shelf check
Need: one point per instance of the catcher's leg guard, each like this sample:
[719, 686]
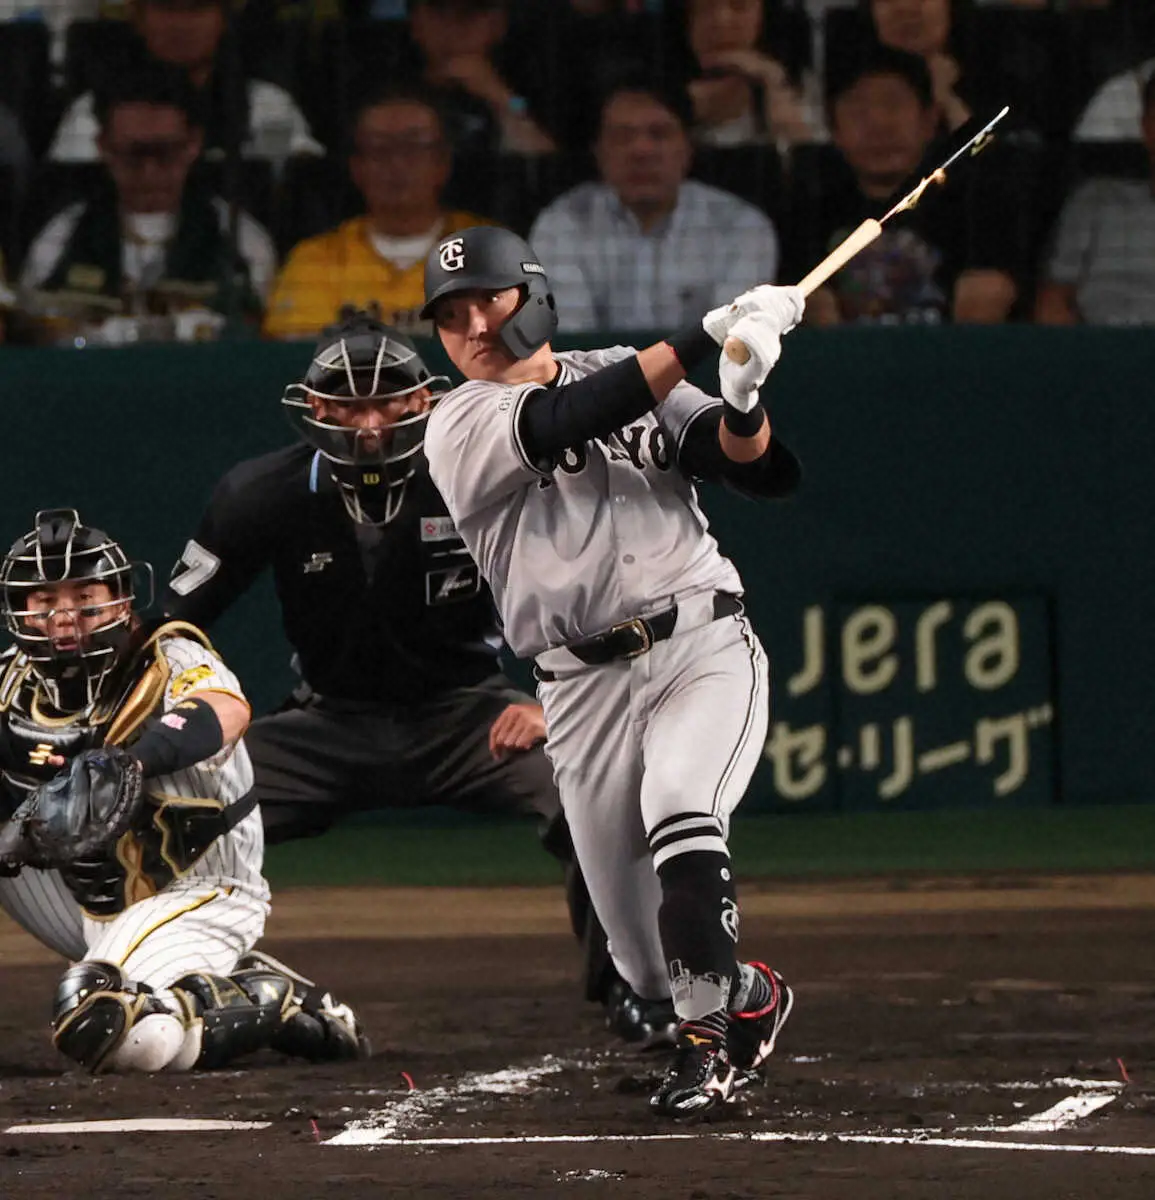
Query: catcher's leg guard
[317, 1027]
[235, 1015]
[104, 1022]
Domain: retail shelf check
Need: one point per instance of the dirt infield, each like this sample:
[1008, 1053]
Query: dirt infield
[940, 1024]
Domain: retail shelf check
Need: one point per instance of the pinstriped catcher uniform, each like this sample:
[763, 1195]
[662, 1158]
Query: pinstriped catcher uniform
[131, 840]
[177, 898]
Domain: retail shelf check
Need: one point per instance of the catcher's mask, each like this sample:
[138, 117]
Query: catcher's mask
[60, 549]
[363, 359]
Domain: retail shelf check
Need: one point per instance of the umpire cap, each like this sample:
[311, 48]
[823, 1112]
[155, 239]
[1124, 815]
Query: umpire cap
[490, 258]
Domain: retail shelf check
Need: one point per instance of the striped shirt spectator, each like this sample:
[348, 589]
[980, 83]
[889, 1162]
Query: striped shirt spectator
[646, 247]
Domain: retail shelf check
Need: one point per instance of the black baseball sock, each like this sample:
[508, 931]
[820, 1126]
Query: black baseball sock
[698, 922]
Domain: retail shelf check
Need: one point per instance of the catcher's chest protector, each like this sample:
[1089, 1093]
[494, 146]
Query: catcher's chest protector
[26, 742]
[167, 839]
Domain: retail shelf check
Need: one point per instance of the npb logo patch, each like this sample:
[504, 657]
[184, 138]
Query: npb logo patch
[452, 256]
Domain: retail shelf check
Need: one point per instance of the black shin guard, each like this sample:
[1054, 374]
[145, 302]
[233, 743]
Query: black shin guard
[239, 1014]
[698, 923]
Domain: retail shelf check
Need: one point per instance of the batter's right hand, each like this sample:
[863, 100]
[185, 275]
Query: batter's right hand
[783, 306]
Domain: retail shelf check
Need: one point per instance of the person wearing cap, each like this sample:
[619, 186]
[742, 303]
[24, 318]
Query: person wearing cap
[645, 247]
[188, 34]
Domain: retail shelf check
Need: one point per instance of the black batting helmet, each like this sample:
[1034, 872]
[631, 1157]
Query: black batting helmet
[362, 359]
[61, 549]
[491, 258]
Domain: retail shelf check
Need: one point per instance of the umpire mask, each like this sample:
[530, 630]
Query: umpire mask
[364, 361]
[71, 643]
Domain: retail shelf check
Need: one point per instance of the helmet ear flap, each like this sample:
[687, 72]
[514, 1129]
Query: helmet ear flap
[490, 258]
[534, 323]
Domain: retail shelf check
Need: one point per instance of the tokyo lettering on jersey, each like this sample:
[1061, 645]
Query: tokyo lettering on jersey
[610, 531]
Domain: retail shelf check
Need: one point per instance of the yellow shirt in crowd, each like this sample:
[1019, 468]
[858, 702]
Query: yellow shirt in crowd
[342, 267]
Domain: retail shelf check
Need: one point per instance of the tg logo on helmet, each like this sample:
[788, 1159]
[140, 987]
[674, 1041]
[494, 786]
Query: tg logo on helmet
[453, 254]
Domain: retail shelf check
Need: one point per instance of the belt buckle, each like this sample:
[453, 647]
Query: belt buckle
[641, 629]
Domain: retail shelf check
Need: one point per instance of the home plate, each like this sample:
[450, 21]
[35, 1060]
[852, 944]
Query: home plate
[140, 1125]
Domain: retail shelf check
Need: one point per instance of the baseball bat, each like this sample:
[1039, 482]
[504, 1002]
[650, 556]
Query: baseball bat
[736, 350]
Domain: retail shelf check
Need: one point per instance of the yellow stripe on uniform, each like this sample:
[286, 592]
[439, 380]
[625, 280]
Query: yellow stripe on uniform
[140, 938]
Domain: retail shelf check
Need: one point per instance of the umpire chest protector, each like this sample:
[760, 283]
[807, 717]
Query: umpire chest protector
[395, 614]
[167, 839]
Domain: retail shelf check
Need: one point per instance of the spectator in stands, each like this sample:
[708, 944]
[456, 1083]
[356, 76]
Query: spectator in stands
[924, 268]
[151, 238]
[400, 163]
[1101, 269]
[645, 247]
[1115, 112]
[7, 300]
[261, 117]
[924, 27]
[13, 147]
[742, 93]
[459, 41]
[56, 14]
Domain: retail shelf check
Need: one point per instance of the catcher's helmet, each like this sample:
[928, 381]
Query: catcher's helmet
[60, 549]
[491, 258]
[362, 359]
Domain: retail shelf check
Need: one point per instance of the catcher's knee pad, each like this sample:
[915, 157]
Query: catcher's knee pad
[235, 1015]
[104, 1022]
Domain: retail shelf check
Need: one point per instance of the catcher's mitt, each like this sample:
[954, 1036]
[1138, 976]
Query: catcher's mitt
[84, 811]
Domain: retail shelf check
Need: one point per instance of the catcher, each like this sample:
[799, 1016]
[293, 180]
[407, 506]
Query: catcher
[131, 840]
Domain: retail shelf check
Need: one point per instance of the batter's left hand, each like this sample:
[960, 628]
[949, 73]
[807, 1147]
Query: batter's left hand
[520, 727]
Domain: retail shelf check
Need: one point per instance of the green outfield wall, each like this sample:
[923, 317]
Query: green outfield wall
[957, 605]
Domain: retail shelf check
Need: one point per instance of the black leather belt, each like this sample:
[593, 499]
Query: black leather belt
[630, 638]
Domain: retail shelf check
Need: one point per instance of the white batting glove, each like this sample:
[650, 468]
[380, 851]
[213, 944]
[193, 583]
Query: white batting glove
[740, 382]
[785, 304]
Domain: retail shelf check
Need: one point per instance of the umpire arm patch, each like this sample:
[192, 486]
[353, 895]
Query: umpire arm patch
[448, 585]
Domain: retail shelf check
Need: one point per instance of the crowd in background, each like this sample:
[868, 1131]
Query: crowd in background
[176, 168]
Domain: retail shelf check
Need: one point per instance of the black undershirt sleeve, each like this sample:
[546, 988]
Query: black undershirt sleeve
[775, 474]
[555, 418]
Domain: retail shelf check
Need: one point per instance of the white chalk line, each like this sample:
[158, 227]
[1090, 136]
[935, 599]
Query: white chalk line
[140, 1125]
[416, 1105]
[1058, 1116]
[385, 1127]
[883, 1139]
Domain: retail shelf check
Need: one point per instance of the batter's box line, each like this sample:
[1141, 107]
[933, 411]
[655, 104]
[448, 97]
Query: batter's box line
[383, 1126]
[368, 1137]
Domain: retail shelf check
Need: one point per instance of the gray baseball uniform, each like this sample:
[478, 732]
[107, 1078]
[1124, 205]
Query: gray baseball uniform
[652, 753]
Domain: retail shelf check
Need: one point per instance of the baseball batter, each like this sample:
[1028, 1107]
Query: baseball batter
[108, 720]
[571, 479]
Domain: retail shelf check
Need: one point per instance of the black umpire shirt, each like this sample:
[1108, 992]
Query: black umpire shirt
[396, 614]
